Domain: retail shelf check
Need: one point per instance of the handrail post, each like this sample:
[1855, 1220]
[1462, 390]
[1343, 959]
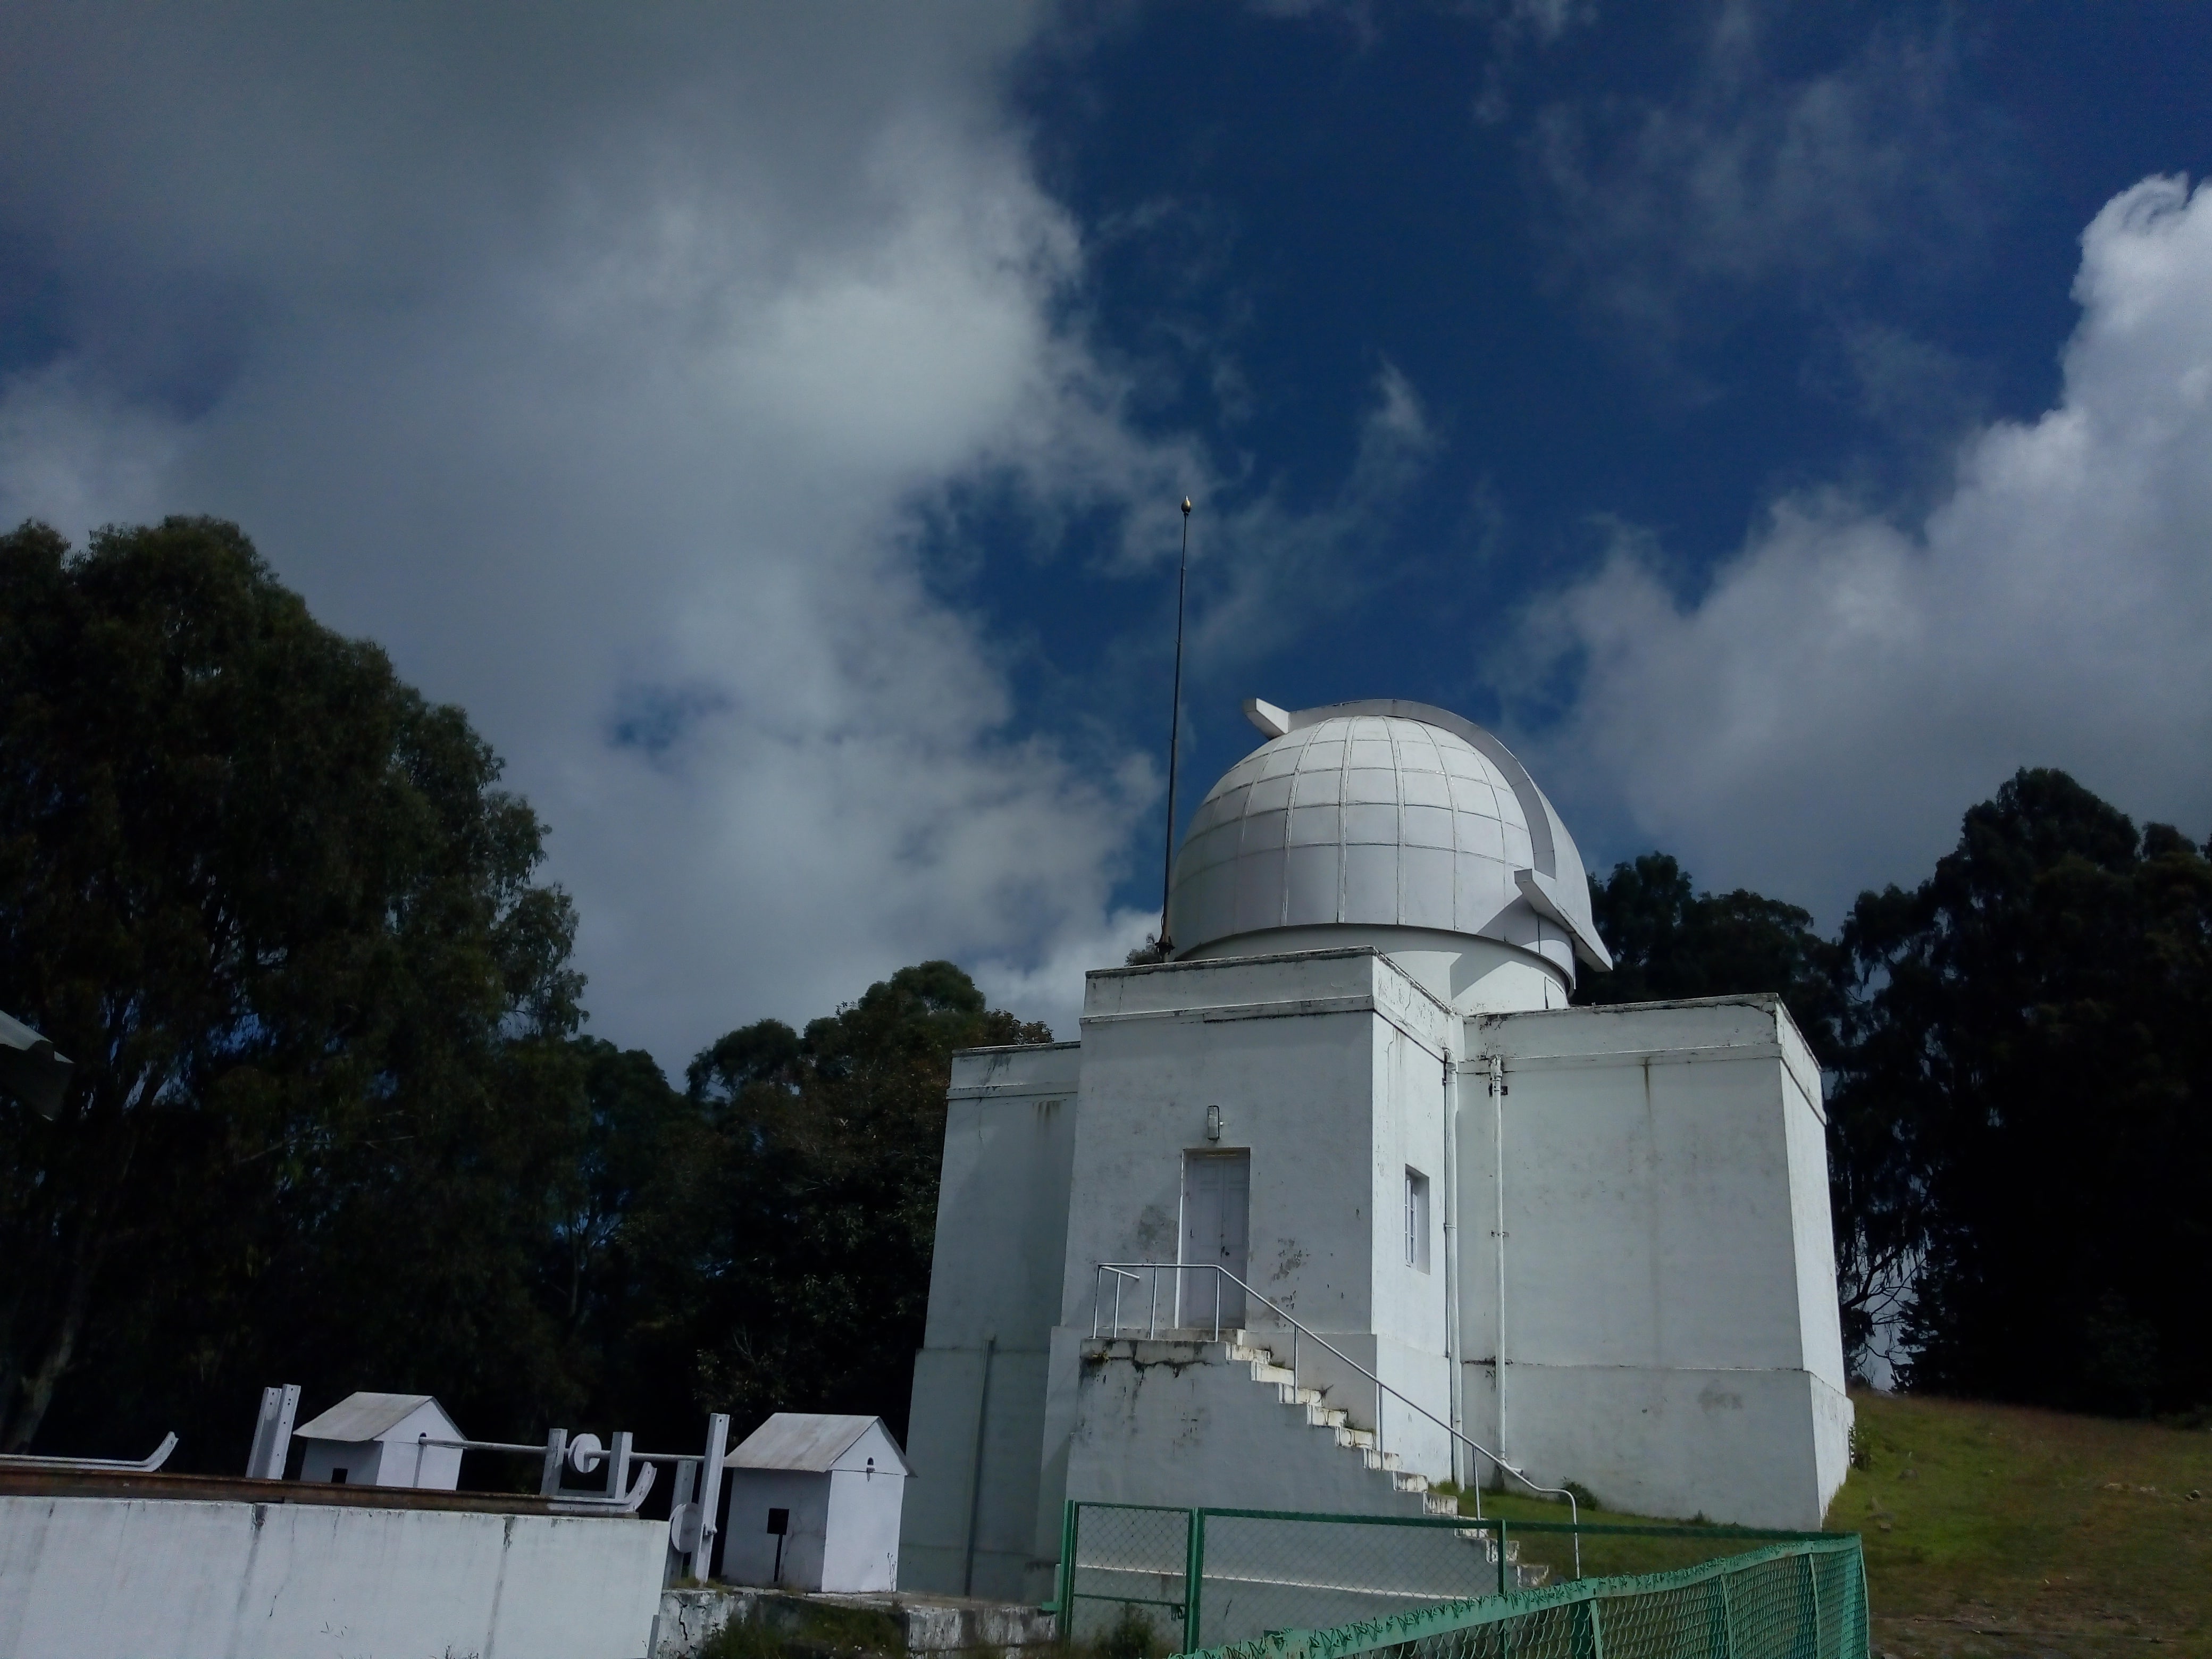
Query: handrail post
[1218, 1273]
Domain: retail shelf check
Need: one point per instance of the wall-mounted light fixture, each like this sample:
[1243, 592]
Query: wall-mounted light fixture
[1213, 1123]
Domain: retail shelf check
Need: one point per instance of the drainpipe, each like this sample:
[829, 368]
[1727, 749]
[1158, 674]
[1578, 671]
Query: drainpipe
[975, 1480]
[1497, 1144]
[1451, 1257]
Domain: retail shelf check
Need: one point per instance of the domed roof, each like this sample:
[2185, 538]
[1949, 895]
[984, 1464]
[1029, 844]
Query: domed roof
[1384, 813]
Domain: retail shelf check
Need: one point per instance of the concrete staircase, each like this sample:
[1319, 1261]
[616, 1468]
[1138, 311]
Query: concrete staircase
[1335, 1421]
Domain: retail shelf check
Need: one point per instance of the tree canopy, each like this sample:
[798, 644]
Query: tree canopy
[330, 1123]
[277, 908]
[1669, 942]
[2029, 1084]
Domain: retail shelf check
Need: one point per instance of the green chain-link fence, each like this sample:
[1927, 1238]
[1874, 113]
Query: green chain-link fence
[1346, 1583]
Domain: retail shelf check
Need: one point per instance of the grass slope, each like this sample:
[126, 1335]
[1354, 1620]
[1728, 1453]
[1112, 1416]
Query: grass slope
[2000, 1529]
[1991, 1531]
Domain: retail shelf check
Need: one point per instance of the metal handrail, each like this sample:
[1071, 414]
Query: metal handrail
[1132, 1270]
[145, 1465]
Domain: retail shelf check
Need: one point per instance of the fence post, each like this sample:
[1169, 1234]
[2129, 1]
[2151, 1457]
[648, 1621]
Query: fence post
[1193, 1575]
[1066, 1605]
[1813, 1594]
[1501, 1555]
[1727, 1617]
[1597, 1629]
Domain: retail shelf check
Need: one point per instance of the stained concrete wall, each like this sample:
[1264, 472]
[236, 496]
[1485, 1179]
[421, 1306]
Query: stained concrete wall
[864, 1533]
[1669, 1323]
[116, 1578]
[1250, 1450]
[995, 1294]
[1328, 1068]
[1670, 1327]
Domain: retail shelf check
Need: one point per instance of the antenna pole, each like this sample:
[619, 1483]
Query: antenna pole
[1174, 737]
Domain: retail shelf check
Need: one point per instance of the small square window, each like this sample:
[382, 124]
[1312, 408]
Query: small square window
[1416, 1220]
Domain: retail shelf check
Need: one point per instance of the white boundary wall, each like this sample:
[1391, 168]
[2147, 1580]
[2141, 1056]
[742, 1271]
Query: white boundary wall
[171, 1578]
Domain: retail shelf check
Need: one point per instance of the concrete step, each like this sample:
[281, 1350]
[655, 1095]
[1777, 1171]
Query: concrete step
[1405, 1482]
[1263, 1372]
[1379, 1460]
[1487, 1541]
[1362, 1438]
[1437, 1503]
[1291, 1394]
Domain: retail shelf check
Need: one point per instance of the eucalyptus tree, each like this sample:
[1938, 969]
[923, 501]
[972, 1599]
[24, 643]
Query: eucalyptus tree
[275, 905]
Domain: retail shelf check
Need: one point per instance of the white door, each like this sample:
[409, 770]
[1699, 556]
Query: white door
[1216, 1197]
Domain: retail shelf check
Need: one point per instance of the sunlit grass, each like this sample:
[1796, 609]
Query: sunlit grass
[2070, 1534]
[1989, 1530]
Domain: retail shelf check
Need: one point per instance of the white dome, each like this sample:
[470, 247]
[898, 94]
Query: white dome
[1389, 814]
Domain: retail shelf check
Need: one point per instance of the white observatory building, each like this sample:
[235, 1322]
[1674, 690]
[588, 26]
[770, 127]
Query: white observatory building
[1353, 1130]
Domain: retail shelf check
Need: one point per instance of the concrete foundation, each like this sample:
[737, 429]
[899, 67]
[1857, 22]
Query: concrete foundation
[925, 1623]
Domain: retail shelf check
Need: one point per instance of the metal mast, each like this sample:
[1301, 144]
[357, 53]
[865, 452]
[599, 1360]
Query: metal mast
[1164, 944]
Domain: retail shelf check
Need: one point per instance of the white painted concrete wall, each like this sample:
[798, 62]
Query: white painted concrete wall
[862, 1554]
[1669, 1318]
[994, 1290]
[1670, 1329]
[749, 1548]
[389, 1463]
[1475, 976]
[1251, 1451]
[108, 1578]
[1328, 1068]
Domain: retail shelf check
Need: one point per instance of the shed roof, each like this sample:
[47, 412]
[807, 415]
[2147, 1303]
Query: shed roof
[365, 1416]
[30, 1068]
[811, 1441]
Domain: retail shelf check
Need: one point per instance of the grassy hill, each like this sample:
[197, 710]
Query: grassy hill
[1991, 1531]
[2000, 1529]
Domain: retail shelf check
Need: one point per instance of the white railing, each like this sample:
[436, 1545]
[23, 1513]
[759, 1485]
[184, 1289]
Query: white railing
[145, 1465]
[1134, 1272]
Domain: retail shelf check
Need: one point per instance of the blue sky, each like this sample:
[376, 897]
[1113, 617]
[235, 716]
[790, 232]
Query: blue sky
[1781, 423]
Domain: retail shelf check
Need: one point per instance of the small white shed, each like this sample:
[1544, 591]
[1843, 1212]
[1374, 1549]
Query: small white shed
[814, 1505]
[376, 1440]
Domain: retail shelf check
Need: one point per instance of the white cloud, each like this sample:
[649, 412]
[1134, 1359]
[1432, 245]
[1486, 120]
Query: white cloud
[1819, 717]
[599, 368]
[1666, 211]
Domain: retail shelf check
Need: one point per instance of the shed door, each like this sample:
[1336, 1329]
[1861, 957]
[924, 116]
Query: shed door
[1216, 1198]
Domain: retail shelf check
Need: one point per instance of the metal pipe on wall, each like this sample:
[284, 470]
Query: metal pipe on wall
[1497, 1146]
[1453, 1395]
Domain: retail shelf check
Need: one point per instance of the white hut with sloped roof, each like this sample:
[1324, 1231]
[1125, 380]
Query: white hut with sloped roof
[814, 1502]
[382, 1440]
